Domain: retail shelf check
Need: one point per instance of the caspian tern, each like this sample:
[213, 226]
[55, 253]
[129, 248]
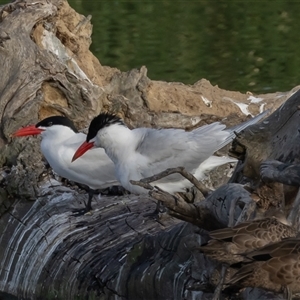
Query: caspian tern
[144, 152]
[60, 139]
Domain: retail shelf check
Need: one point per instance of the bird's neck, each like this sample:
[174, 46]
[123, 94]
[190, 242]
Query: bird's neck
[118, 142]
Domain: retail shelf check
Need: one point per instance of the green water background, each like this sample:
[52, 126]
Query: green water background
[238, 45]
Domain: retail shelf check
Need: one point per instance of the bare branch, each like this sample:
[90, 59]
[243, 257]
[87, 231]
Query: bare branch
[181, 170]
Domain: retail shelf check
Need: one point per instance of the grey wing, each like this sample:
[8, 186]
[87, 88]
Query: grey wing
[169, 148]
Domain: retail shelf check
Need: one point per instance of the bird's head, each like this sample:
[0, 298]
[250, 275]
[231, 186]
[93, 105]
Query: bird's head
[50, 124]
[100, 128]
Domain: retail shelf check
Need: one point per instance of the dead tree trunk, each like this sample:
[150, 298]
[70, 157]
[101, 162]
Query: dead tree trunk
[115, 253]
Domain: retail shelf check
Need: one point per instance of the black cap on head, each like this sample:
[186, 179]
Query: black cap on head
[101, 121]
[57, 120]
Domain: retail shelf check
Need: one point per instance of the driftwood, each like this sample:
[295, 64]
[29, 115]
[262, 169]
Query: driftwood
[116, 252]
[90, 256]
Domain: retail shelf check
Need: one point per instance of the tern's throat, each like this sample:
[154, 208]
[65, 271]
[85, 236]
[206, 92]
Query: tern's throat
[57, 135]
[117, 140]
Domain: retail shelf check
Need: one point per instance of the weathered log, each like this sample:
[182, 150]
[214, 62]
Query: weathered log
[114, 253]
[46, 252]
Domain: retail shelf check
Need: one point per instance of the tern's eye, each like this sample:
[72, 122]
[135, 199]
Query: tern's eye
[50, 123]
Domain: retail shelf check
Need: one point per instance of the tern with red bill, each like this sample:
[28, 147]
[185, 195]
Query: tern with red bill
[144, 152]
[60, 139]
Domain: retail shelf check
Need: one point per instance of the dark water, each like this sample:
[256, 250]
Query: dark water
[239, 45]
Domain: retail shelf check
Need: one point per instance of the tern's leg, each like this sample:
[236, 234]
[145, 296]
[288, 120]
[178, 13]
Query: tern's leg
[88, 205]
[159, 209]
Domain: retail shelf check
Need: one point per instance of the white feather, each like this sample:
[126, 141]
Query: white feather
[94, 169]
[143, 152]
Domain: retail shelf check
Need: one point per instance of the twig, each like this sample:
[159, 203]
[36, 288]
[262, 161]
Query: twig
[181, 170]
[82, 23]
[174, 203]
[142, 184]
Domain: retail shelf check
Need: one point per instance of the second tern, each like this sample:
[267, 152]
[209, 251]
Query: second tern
[144, 152]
